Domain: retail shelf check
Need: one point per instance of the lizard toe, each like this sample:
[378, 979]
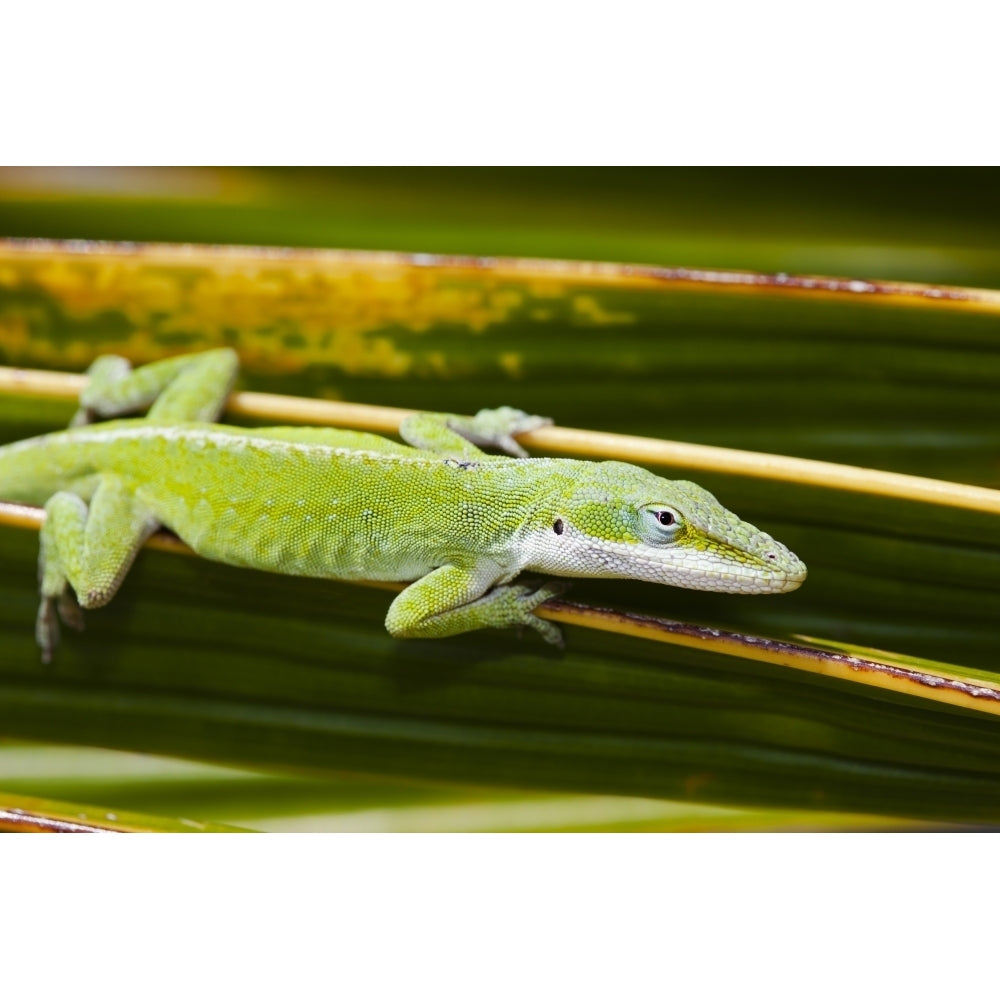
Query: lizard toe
[69, 610]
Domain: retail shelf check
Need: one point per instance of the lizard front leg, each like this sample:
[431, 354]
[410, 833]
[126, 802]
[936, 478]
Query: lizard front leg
[454, 599]
[88, 547]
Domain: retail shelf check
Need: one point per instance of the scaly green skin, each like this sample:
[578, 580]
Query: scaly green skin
[346, 505]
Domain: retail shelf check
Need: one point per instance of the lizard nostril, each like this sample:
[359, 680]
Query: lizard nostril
[558, 526]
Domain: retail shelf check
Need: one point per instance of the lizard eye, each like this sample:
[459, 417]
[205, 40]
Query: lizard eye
[663, 523]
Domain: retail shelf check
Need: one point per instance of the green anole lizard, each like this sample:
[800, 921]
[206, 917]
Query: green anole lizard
[346, 505]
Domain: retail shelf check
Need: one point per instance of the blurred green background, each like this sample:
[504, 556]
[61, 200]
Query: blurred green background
[920, 224]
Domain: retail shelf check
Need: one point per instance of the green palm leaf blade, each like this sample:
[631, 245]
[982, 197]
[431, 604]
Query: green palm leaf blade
[23, 814]
[202, 661]
[347, 803]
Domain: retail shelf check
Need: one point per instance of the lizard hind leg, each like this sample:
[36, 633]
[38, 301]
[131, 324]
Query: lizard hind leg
[89, 548]
[186, 387]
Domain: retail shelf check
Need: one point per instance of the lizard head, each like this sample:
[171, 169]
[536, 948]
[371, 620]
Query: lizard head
[617, 520]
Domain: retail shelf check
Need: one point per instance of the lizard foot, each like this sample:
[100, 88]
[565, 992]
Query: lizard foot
[496, 429]
[528, 595]
[102, 376]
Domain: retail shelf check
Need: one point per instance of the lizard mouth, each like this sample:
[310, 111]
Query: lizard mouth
[790, 583]
[785, 576]
[770, 572]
